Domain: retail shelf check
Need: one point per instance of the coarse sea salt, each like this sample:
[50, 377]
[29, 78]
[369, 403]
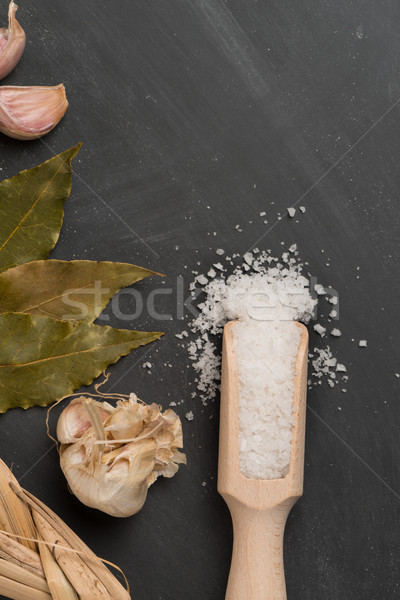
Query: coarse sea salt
[266, 355]
[243, 295]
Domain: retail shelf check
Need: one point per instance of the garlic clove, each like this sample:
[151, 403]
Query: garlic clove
[12, 42]
[27, 113]
[74, 420]
[124, 424]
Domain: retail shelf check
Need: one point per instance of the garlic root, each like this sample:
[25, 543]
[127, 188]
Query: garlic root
[111, 455]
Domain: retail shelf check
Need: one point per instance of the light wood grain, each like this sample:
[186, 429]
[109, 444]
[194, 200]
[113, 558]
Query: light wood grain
[259, 508]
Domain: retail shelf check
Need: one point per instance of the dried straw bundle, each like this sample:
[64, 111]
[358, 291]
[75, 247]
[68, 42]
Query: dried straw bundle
[42, 558]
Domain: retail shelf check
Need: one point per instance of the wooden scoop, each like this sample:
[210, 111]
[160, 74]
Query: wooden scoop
[259, 507]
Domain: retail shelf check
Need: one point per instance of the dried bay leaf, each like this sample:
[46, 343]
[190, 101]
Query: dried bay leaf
[32, 210]
[77, 289]
[43, 359]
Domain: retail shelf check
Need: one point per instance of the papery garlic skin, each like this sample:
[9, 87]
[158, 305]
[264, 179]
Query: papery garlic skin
[27, 113]
[108, 471]
[12, 42]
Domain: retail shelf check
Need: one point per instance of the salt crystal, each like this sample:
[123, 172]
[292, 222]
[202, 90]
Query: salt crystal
[336, 332]
[341, 368]
[319, 329]
[319, 289]
[202, 279]
[291, 212]
[263, 213]
[189, 415]
[220, 252]
[362, 343]
[302, 209]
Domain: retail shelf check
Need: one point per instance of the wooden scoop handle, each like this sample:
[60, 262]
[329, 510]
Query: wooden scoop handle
[257, 571]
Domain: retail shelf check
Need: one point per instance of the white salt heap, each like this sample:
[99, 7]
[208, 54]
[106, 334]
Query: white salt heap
[266, 355]
[260, 286]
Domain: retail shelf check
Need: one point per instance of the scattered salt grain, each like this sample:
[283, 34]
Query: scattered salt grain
[248, 257]
[263, 213]
[189, 415]
[201, 279]
[341, 368]
[220, 252]
[336, 332]
[323, 367]
[362, 343]
[291, 212]
[302, 209]
[319, 289]
[319, 329]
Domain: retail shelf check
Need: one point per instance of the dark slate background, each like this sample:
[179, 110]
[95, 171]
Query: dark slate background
[185, 105]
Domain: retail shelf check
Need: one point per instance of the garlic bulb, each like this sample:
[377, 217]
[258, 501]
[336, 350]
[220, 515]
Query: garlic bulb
[111, 455]
[12, 42]
[27, 113]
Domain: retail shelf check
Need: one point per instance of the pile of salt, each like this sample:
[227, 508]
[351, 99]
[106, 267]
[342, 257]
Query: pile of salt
[266, 355]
